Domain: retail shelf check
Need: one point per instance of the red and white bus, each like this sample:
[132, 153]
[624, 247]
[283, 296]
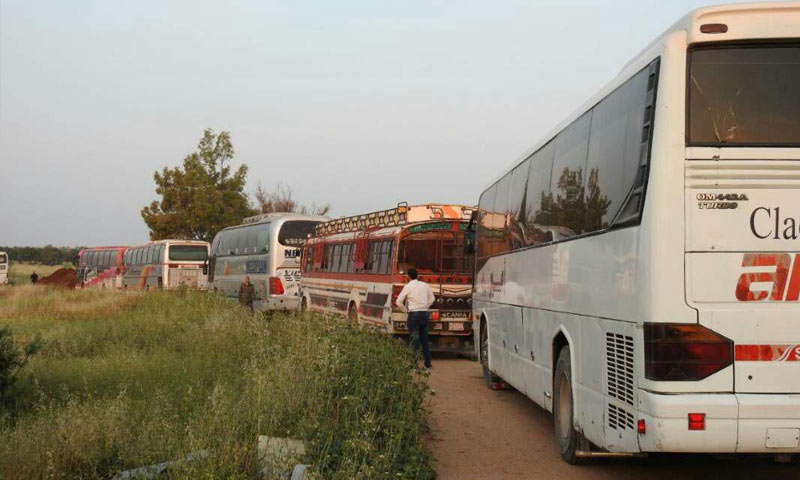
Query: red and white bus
[356, 266]
[100, 267]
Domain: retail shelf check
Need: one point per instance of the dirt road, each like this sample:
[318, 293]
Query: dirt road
[480, 434]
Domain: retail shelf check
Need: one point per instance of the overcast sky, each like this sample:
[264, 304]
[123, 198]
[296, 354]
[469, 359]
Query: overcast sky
[357, 103]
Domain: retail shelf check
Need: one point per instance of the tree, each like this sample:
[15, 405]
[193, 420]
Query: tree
[201, 198]
[280, 200]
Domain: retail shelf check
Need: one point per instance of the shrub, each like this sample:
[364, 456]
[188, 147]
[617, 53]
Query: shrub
[12, 360]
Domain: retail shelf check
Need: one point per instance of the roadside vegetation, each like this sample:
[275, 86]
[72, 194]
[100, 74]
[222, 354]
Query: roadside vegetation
[121, 381]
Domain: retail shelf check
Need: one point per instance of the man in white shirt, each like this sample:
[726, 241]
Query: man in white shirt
[419, 297]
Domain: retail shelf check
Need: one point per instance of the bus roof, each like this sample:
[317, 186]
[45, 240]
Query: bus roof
[400, 215]
[172, 240]
[278, 216]
[744, 21]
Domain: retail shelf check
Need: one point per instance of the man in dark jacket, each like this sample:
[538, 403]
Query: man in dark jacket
[247, 293]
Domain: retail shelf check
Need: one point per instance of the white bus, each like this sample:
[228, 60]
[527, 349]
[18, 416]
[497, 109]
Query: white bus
[4, 267]
[267, 249]
[166, 264]
[642, 281]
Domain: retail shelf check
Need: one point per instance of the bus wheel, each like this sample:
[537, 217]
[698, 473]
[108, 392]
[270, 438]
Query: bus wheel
[492, 381]
[303, 304]
[569, 440]
[352, 313]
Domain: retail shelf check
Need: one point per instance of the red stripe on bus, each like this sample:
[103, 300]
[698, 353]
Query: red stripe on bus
[767, 353]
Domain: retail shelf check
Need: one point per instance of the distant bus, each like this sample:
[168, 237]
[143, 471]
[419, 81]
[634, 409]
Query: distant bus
[267, 249]
[356, 267]
[4, 266]
[166, 264]
[638, 269]
[100, 267]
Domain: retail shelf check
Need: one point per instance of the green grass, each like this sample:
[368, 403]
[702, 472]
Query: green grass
[130, 380]
[20, 273]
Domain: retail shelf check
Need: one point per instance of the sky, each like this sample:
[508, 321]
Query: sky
[359, 104]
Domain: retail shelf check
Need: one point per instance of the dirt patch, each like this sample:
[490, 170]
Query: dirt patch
[481, 434]
[63, 277]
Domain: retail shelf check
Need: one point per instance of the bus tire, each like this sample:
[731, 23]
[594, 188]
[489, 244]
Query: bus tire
[492, 381]
[303, 304]
[352, 313]
[568, 439]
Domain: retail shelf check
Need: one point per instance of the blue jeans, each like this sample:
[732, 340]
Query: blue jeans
[418, 332]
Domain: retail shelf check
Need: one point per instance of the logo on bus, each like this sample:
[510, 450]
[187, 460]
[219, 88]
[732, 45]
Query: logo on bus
[720, 201]
[780, 283]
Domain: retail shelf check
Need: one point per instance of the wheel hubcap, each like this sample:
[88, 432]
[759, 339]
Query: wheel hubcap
[564, 410]
[484, 347]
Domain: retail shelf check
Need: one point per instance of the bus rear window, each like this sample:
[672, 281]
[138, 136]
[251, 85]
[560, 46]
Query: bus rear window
[746, 95]
[188, 253]
[294, 233]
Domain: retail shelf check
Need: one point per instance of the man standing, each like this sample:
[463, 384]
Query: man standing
[247, 293]
[34, 278]
[419, 297]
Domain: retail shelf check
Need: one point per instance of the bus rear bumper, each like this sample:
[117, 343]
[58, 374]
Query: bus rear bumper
[277, 303]
[734, 423]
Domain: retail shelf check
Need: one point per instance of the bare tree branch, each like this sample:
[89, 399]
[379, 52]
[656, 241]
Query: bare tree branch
[280, 199]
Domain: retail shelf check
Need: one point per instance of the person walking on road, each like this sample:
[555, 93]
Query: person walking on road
[247, 293]
[419, 297]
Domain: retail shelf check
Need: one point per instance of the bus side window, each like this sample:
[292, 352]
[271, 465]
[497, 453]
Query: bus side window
[161, 258]
[262, 240]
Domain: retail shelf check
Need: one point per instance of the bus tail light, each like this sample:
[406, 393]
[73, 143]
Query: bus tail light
[697, 421]
[275, 286]
[641, 426]
[684, 352]
[435, 315]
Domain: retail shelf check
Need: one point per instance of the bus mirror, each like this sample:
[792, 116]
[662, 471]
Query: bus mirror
[470, 235]
[469, 242]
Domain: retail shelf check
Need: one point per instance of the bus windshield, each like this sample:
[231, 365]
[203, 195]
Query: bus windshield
[294, 233]
[745, 96]
[433, 252]
[188, 253]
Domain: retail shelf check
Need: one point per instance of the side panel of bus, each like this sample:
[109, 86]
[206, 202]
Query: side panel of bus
[570, 280]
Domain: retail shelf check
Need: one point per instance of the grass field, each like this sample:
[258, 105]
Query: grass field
[130, 380]
[20, 273]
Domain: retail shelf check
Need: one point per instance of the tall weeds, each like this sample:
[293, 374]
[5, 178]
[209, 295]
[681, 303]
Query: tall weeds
[126, 381]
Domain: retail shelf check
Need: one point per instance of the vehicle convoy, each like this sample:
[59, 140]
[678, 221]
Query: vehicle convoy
[267, 249]
[4, 267]
[166, 264]
[356, 266]
[638, 270]
[100, 267]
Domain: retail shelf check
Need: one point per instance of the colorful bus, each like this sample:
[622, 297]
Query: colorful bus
[5, 264]
[644, 285]
[100, 267]
[356, 267]
[267, 249]
[166, 264]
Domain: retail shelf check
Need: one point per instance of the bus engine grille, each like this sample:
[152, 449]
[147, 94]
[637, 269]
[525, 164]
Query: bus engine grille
[619, 367]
